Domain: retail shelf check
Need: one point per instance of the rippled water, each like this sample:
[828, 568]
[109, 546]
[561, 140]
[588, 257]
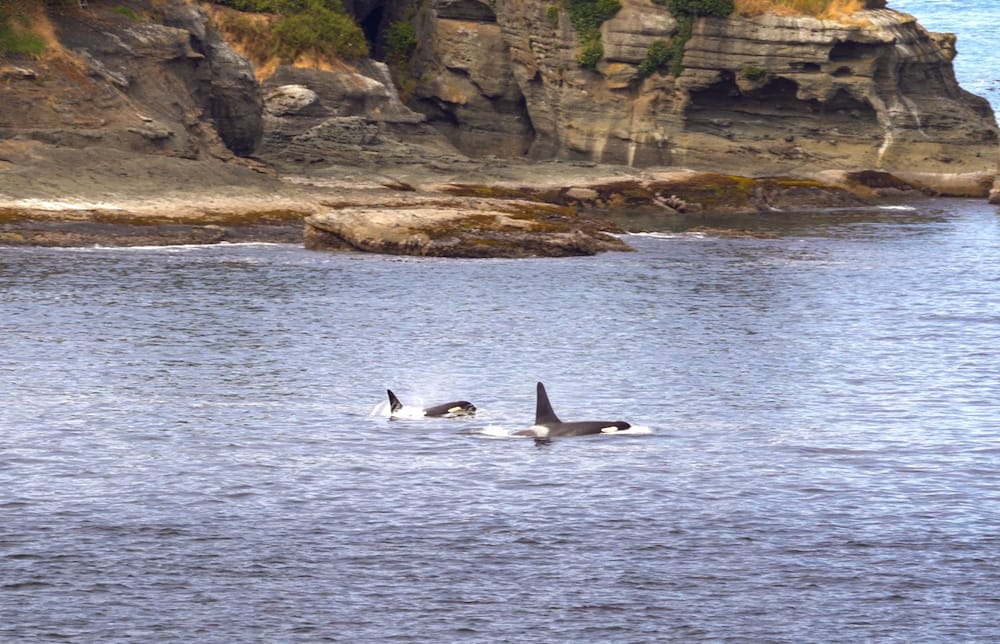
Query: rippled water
[189, 450]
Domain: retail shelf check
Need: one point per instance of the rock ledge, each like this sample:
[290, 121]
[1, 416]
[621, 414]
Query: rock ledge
[461, 228]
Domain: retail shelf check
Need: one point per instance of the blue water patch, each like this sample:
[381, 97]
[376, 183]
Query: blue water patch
[189, 451]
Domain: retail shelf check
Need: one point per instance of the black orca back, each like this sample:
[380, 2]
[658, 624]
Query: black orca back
[543, 408]
[452, 409]
[545, 417]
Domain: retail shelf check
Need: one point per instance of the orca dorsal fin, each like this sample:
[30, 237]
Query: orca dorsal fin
[394, 404]
[543, 408]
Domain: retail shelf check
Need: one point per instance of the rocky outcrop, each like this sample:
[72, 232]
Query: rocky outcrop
[995, 191]
[766, 94]
[467, 83]
[161, 81]
[224, 84]
[471, 228]
[317, 116]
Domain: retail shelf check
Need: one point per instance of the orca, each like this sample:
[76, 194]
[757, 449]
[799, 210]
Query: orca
[547, 424]
[444, 410]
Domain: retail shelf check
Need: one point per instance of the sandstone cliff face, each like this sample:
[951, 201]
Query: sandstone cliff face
[468, 86]
[160, 82]
[761, 95]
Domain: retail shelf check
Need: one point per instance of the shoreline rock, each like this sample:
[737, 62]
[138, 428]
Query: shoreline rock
[140, 130]
[475, 228]
[489, 209]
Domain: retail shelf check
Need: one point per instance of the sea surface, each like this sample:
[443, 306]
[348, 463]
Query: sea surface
[194, 443]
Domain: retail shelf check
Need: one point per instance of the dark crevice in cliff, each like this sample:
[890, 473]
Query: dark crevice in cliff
[850, 50]
[775, 109]
[804, 67]
[371, 25]
[466, 10]
[497, 127]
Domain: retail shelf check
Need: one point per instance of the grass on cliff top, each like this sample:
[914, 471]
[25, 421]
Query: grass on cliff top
[823, 9]
[24, 30]
[313, 32]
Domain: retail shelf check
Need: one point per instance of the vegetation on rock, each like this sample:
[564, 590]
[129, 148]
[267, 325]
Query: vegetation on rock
[296, 28]
[15, 36]
[693, 8]
[400, 41]
[685, 12]
[820, 8]
[753, 73]
[658, 54]
[401, 44]
[552, 13]
[587, 16]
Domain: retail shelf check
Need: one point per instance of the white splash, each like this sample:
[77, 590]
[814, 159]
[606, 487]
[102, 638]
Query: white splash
[406, 411]
[495, 431]
[661, 235]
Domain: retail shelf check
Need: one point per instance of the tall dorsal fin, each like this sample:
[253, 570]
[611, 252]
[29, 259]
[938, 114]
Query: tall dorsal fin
[394, 404]
[543, 409]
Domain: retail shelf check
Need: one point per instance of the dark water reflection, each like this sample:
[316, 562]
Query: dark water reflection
[188, 451]
[832, 222]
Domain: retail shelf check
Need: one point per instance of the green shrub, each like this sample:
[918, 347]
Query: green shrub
[400, 41]
[593, 52]
[658, 54]
[16, 43]
[552, 13]
[255, 6]
[685, 11]
[753, 73]
[14, 37]
[302, 6]
[318, 31]
[587, 16]
[685, 27]
[717, 8]
[316, 27]
[128, 12]
[287, 7]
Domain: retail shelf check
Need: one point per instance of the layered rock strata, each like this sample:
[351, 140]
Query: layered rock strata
[161, 83]
[764, 95]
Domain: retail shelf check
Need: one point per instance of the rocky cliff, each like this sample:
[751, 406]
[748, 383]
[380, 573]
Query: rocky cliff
[162, 82]
[762, 94]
